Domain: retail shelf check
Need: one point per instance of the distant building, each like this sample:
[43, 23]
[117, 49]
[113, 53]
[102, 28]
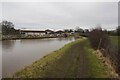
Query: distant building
[33, 32]
[48, 31]
[60, 33]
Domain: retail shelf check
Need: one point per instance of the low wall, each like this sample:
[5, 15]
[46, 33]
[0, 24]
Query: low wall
[14, 37]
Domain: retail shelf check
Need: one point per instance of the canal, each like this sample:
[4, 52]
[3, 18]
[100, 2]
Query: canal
[16, 54]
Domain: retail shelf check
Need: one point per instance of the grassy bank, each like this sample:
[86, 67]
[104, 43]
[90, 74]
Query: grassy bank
[65, 63]
[96, 68]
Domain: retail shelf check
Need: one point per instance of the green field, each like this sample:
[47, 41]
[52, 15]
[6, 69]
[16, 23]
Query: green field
[114, 40]
[66, 63]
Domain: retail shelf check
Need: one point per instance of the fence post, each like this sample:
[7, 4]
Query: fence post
[99, 43]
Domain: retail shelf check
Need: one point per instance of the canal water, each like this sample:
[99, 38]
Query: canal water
[16, 54]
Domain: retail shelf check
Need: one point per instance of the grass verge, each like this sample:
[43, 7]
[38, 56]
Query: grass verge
[96, 68]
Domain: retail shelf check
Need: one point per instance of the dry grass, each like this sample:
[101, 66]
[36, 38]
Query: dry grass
[107, 63]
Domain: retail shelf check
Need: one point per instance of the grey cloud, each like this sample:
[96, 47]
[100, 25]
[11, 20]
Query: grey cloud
[58, 15]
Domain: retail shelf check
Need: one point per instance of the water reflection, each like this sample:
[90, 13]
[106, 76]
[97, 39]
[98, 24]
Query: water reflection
[60, 39]
[20, 53]
[8, 44]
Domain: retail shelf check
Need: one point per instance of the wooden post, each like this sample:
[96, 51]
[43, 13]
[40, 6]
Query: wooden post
[99, 43]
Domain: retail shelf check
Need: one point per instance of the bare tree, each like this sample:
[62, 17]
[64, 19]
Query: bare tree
[8, 28]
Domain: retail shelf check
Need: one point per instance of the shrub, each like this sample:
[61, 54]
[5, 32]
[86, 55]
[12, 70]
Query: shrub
[98, 38]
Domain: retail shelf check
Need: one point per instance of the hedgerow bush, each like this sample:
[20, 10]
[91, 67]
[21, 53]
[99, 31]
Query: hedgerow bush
[98, 38]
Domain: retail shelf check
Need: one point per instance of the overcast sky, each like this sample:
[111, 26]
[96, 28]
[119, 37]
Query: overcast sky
[61, 15]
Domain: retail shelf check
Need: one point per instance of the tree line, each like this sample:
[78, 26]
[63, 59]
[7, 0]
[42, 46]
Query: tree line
[8, 29]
